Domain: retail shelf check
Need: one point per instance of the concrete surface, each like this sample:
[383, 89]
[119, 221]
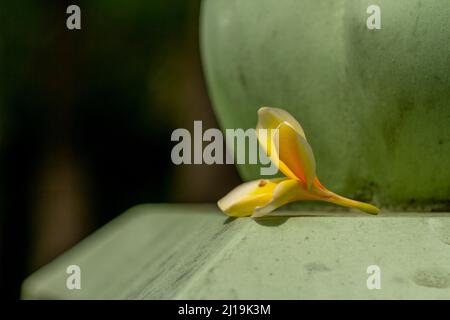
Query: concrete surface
[195, 252]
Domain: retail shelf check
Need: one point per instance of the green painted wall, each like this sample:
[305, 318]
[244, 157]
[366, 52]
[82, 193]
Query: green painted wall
[375, 104]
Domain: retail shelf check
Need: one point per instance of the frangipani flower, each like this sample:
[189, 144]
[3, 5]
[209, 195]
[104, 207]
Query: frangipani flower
[291, 152]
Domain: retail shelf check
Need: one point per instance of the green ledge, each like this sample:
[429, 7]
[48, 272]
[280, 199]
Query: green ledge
[195, 252]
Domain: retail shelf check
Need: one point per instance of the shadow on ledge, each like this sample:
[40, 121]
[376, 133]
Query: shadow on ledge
[271, 221]
[282, 217]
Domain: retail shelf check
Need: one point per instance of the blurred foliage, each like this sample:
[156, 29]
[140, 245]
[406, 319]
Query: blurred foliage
[94, 108]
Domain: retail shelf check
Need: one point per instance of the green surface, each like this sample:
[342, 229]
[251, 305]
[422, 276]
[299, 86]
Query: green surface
[375, 104]
[195, 252]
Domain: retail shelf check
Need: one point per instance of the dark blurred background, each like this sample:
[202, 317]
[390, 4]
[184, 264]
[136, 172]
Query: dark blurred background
[86, 117]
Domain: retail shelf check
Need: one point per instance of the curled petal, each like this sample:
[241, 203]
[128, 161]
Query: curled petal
[245, 198]
[268, 121]
[296, 158]
[285, 192]
[284, 141]
[270, 118]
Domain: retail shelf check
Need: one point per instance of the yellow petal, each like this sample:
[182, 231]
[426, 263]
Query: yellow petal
[363, 206]
[296, 158]
[346, 202]
[286, 145]
[245, 198]
[286, 191]
[270, 118]
[290, 190]
[329, 196]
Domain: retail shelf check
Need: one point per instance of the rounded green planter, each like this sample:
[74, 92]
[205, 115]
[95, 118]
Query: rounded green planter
[375, 104]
